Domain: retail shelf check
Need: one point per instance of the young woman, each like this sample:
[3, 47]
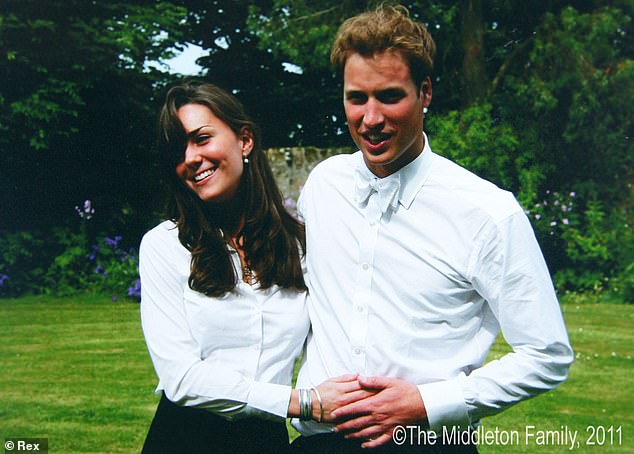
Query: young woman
[223, 294]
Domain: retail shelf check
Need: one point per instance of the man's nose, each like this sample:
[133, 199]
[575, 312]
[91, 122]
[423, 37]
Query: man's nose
[373, 117]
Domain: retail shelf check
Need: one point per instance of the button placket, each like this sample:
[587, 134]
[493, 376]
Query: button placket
[362, 293]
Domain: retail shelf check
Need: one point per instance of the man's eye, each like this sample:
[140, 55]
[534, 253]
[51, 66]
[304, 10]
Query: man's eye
[390, 97]
[356, 98]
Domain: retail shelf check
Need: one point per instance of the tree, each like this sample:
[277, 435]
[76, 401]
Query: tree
[76, 109]
[291, 108]
[473, 68]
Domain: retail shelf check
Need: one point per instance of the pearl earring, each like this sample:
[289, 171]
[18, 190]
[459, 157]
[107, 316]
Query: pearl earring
[246, 160]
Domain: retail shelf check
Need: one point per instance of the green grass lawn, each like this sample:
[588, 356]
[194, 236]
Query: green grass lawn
[76, 371]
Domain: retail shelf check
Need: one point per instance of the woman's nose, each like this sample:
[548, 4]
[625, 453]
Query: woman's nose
[192, 157]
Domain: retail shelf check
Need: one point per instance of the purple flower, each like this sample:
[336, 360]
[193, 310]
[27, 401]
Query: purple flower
[3, 278]
[114, 242]
[100, 270]
[93, 252]
[289, 203]
[114, 298]
[135, 290]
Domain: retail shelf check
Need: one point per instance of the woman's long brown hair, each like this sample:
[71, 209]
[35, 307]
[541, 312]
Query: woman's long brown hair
[271, 238]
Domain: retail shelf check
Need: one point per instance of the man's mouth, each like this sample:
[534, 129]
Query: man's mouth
[201, 176]
[376, 138]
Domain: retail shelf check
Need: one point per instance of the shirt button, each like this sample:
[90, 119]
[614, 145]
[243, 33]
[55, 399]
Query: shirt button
[357, 351]
[365, 266]
[359, 308]
[372, 223]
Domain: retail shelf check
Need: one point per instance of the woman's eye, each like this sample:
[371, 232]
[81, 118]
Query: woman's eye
[202, 139]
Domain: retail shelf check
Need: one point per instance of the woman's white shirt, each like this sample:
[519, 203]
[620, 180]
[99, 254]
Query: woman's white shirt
[233, 355]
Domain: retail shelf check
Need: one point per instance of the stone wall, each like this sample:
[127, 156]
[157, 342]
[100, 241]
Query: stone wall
[292, 165]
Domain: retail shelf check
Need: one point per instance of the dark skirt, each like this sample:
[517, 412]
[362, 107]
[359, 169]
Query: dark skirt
[331, 443]
[177, 429]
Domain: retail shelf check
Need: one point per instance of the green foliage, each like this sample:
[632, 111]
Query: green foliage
[572, 101]
[477, 141]
[300, 31]
[71, 46]
[76, 99]
[102, 266]
[588, 247]
[68, 262]
[571, 104]
[23, 262]
[623, 284]
[69, 270]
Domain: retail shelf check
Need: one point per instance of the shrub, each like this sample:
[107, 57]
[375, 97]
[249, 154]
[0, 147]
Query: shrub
[23, 262]
[101, 266]
[587, 246]
[67, 261]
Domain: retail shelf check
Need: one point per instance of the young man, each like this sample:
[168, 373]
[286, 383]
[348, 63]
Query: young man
[414, 264]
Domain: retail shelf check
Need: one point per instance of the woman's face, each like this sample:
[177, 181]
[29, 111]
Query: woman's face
[213, 162]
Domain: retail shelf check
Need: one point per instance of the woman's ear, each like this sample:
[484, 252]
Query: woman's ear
[246, 137]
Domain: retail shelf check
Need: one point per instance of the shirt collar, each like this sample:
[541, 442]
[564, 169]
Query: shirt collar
[413, 176]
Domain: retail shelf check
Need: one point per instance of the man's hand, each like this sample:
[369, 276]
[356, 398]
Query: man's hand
[374, 418]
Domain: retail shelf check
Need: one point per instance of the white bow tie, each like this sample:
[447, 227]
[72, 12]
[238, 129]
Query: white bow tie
[387, 189]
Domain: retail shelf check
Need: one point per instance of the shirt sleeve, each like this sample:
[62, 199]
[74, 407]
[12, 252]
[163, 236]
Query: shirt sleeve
[301, 201]
[184, 376]
[508, 270]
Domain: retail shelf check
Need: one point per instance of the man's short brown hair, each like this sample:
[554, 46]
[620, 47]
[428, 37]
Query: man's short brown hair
[387, 28]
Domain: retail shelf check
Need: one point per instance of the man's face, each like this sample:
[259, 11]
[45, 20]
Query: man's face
[384, 109]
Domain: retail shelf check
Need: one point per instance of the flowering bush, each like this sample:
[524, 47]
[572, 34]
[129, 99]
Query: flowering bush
[115, 268]
[87, 261]
[587, 247]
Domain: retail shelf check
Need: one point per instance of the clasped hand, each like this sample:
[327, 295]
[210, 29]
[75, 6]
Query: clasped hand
[369, 408]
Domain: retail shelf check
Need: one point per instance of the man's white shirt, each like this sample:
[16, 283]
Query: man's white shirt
[420, 291]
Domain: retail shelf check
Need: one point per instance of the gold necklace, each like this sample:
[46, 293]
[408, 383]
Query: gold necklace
[247, 272]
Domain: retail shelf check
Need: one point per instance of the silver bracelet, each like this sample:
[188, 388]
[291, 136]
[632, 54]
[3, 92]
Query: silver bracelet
[305, 405]
[321, 405]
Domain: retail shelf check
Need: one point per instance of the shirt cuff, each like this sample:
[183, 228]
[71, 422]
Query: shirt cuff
[270, 397]
[444, 405]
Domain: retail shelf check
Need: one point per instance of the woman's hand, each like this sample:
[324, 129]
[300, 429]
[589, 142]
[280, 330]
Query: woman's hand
[338, 392]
